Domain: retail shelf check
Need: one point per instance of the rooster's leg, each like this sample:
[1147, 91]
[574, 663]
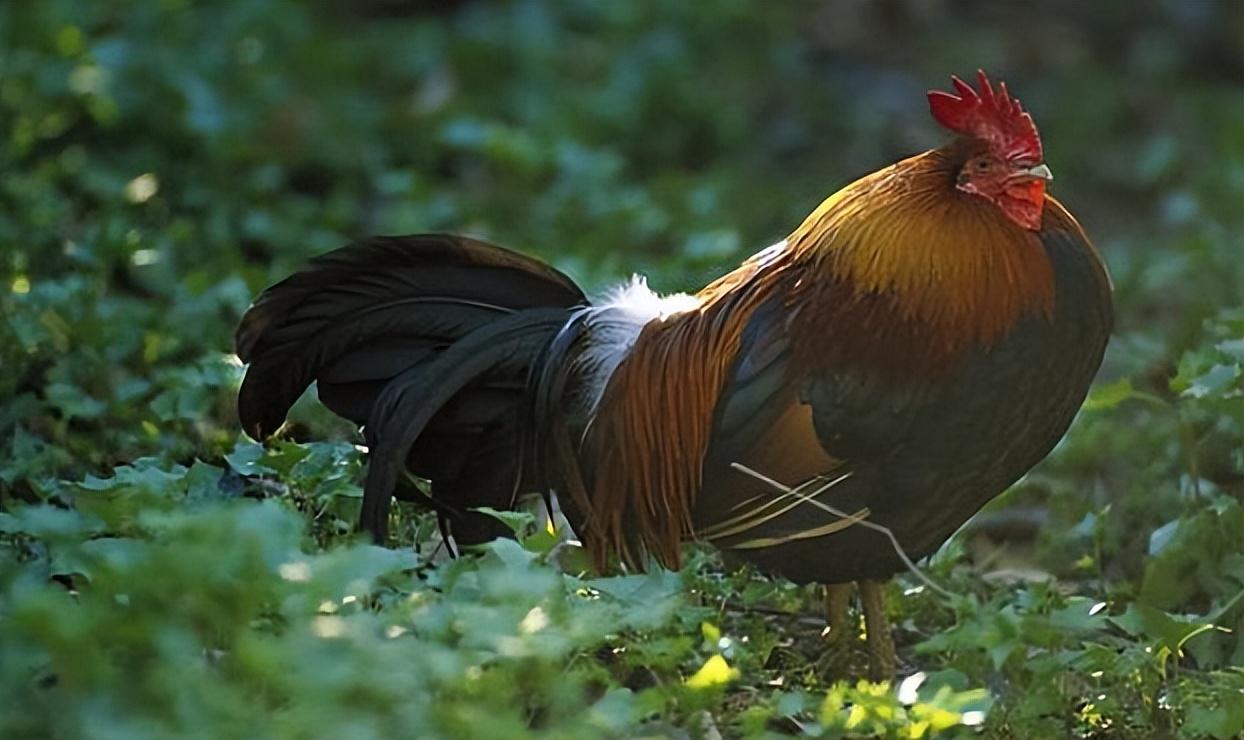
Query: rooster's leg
[843, 631]
[837, 603]
[881, 656]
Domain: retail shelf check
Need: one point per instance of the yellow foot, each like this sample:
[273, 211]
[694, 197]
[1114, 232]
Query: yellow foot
[837, 613]
[882, 659]
[843, 631]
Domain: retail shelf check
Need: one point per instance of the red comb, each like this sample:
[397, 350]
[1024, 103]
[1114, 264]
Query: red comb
[996, 118]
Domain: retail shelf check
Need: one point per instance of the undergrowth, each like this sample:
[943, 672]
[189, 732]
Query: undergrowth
[162, 161]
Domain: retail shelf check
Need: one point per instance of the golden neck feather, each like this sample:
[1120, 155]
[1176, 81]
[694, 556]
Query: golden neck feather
[915, 270]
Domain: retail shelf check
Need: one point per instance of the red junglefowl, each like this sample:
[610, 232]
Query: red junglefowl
[913, 347]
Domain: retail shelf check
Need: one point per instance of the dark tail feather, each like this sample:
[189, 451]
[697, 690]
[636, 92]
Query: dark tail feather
[430, 341]
[402, 414]
[548, 442]
[356, 317]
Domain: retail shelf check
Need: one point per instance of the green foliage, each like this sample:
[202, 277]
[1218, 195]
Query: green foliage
[161, 161]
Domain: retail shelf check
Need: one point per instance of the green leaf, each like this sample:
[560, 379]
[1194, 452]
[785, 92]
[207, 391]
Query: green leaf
[1162, 536]
[1223, 722]
[517, 521]
[1106, 397]
[1157, 625]
[1233, 348]
[646, 589]
[247, 458]
[1218, 379]
[203, 482]
[48, 522]
[280, 458]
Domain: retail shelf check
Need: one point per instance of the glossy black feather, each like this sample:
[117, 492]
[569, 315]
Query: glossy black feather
[431, 342]
[411, 400]
[760, 376]
[364, 313]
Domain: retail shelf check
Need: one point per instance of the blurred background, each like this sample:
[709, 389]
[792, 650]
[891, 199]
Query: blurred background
[163, 160]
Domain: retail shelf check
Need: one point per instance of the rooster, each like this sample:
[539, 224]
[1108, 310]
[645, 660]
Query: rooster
[909, 351]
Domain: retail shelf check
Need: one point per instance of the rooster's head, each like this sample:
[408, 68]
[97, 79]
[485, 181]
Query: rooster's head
[1006, 168]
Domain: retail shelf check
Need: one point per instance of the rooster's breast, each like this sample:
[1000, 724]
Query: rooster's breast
[924, 456]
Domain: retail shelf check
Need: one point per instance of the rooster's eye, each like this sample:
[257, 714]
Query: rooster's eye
[982, 165]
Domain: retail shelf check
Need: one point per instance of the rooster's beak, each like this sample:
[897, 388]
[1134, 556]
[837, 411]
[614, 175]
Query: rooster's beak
[1040, 172]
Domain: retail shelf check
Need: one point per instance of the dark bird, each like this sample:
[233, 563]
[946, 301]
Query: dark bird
[909, 351]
